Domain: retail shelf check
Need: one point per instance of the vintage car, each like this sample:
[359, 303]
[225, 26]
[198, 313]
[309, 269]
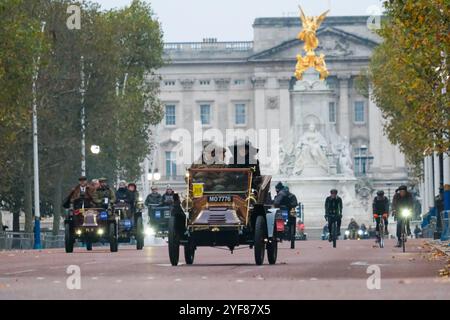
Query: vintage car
[130, 225]
[223, 209]
[158, 221]
[91, 225]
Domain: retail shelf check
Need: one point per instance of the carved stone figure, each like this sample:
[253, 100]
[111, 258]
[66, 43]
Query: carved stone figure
[312, 151]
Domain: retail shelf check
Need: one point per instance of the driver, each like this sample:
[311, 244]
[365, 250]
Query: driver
[353, 225]
[82, 195]
[401, 201]
[104, 191]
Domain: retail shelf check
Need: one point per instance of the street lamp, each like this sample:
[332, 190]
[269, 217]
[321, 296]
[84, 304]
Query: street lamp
[95, 149]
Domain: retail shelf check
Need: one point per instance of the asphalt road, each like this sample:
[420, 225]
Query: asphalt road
[312, 271]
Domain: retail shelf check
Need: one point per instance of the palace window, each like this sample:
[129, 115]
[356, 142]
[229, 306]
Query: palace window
[239, 82]
[332, 112]
[359, 111]
[170, 115]
[171, 166]
[205, 114]
[169, 83]
[240, 113]
[204, 82]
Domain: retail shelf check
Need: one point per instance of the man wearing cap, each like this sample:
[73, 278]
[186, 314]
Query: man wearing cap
[104, 191]
[402, 200]
[82, 195]
[153, 198]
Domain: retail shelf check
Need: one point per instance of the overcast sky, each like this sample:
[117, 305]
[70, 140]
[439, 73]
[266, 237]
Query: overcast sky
[231, 20]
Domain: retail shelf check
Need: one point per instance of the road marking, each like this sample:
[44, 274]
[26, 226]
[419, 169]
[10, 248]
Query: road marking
[359, 263]
[204, 278]
[18, 272]
[119, 281]
[313, 279]
[40, 278]
[239, 280]
[93, 262]
[177, 280]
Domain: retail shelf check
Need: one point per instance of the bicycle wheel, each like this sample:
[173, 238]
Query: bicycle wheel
[334, 234]
[381, 234]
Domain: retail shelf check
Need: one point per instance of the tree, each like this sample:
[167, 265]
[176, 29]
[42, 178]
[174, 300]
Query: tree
[408, 76]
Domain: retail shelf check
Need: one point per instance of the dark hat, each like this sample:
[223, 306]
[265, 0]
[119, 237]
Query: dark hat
[380, 192]
[279, 186]
[333, 191]
[402, 188]
[82, 178]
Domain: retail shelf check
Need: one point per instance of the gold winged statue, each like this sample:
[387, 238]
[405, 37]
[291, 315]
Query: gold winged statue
[308, 35]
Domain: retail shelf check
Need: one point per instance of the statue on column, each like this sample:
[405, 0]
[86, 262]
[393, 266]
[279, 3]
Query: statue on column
[345, 158]
[311, 151]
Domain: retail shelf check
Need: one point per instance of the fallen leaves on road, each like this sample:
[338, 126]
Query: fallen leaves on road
[404, 281]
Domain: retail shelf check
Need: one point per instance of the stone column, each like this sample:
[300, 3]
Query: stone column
[285, 107]
[437, 171]
[446, 167]
[429, 177]
[260, 103]
[344, 113]
[375, 131]
[222, 86]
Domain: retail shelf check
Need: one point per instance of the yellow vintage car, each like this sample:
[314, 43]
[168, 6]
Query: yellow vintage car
[224, 208]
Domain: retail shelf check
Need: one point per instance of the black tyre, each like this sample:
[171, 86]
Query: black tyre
[260, 235]
[334, 234]
[68, 238]
[272, 250]
[113, 238]
[88, 245]
[174, 242]
[189, 253]
[292, 234]
[139, 234]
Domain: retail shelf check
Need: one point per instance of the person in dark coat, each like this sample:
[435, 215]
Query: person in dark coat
[333, 211]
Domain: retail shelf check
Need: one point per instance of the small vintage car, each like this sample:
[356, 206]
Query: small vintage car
[91, 225]
[130, 225]
[222, 208]
[158, 220]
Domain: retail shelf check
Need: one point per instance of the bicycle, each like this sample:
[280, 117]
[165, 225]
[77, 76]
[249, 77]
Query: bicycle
[405, 214]
[381, 228]
[334, 230]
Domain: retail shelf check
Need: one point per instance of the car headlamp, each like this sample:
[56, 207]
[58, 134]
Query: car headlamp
[360, 232]
[149, 232]
[347, 232]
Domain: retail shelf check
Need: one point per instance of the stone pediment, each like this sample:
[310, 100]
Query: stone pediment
[334, 43]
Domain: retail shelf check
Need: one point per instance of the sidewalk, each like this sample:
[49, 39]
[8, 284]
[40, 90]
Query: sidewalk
[441, 246]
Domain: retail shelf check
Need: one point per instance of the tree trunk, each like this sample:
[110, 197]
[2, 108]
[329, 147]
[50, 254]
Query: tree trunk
[28, 199]
[57, 202]
[16, 219]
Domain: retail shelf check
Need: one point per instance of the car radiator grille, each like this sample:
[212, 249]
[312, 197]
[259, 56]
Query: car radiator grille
[217, 218]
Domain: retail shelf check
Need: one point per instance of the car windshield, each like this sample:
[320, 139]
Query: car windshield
[222, 181]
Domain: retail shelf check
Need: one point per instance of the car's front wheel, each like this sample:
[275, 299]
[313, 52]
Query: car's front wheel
[260, 235]
[139, 234]
[68, 238]
[113, 238]
[174, 242]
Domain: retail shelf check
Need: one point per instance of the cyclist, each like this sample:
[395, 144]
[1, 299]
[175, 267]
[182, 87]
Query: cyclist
[333, 211]
[380, 208]
[403, 200]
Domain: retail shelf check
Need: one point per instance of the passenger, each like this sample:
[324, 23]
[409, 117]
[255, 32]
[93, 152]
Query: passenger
[95, 184]
[103, 192]
[133, 196]
[167, 198]
[122, 193]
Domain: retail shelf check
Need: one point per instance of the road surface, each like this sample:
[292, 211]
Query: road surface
[312, 271]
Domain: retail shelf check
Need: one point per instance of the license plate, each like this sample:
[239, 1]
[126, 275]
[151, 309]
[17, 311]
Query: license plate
[219, 198]
[167, 214]
[157, 214]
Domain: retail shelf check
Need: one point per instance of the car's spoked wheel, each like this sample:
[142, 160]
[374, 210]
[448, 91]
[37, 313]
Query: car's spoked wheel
[68, 239]
[174, 242]
[113, 238]
[139, 234]
[259, 244]
[189, 253]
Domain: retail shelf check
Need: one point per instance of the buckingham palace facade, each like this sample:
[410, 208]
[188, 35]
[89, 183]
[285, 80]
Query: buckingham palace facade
[249, 85]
